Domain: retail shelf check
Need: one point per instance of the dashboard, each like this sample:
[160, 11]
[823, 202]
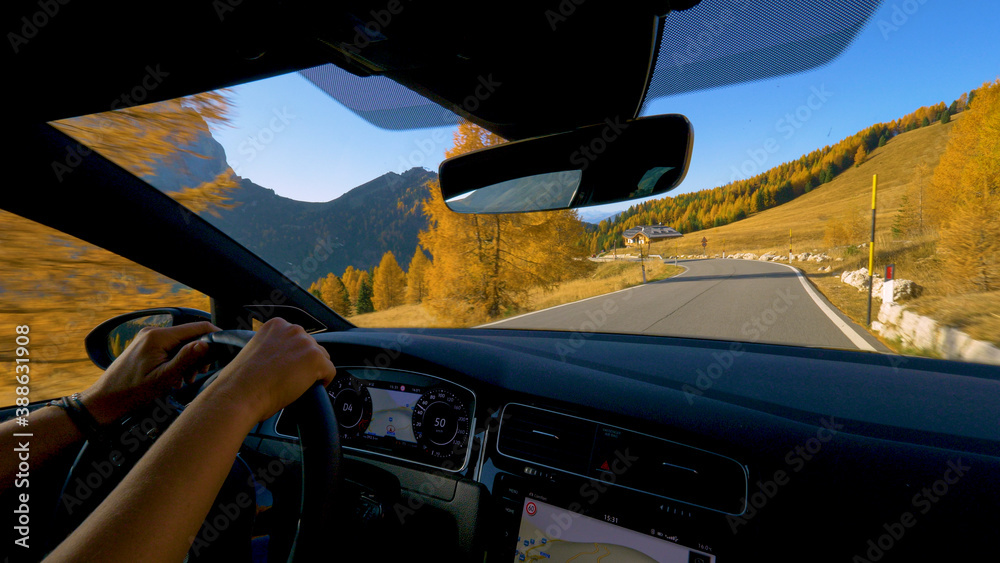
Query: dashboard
[490, 442]
[635, 495]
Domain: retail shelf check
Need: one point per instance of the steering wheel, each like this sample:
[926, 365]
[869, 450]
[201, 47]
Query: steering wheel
[319, 440]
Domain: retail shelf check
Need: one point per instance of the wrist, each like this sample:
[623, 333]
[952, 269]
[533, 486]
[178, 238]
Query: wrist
[81, 418]
[102, 407]
[218, 397]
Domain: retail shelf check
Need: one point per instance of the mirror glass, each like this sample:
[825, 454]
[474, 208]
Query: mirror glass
[122, 335]
[540, 192]
[647, 184]
[599, 164]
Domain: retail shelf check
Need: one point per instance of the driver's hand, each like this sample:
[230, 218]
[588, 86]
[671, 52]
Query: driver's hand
[279, 364]
[156, 361]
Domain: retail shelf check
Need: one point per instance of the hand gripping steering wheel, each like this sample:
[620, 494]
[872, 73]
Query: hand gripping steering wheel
[319, 439]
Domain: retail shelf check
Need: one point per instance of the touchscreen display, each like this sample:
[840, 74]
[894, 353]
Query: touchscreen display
[552, 534]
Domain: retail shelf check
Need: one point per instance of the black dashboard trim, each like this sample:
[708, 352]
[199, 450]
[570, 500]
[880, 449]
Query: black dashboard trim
[876, 395]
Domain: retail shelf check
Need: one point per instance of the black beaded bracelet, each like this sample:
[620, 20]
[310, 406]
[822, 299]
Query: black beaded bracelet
[80, 417]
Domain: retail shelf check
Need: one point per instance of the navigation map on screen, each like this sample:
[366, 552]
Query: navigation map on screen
[552, 534]
[392, 414]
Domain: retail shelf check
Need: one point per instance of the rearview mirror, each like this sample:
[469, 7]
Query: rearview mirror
[605, 163]
[109, 339]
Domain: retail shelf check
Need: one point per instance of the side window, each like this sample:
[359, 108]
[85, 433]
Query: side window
[54, 289]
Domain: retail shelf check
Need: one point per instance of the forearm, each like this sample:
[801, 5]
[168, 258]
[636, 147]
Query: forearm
[51, 431]
[155, 513]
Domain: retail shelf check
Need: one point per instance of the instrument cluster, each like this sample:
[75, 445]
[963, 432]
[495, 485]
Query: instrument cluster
[404, 415]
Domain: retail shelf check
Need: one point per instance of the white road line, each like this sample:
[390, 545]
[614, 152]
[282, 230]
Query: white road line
[849, 332]
[575, 302]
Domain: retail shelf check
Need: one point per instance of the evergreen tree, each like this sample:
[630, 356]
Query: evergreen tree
[364, 304]
[783, 193]
[361, 276]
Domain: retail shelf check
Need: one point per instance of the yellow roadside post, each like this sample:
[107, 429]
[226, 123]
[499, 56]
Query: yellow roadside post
[871, 251]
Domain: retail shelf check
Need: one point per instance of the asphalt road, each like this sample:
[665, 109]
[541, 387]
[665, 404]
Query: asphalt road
[745, 300]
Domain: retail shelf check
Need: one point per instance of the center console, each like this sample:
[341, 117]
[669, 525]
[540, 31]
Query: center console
[573, 489]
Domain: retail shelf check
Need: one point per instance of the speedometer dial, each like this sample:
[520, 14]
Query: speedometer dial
[352, 404]
[441, 423]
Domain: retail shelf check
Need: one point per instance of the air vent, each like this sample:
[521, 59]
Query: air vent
[622, 458]
[546, 438]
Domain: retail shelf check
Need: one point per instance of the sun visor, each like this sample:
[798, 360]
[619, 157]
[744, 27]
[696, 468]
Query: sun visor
[720, 43]
[525, 70]
[526, 74]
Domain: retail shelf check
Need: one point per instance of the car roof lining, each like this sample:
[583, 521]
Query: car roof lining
[548, 70]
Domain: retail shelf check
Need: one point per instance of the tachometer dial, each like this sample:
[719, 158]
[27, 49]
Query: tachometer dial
[352, 404]
[441, 423]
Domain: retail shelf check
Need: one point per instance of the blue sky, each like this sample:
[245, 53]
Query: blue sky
[291, 137]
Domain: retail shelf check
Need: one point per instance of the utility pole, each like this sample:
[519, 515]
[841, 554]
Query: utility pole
[641, 263]
[871, 251]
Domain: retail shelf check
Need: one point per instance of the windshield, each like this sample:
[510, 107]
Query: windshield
[885, 158]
